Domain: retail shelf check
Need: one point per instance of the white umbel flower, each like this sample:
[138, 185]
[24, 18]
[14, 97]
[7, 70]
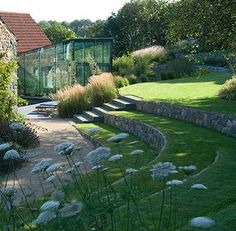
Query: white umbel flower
[70, 170]
[162, 170]
[119, 137]
[137, 152]
[97, 155]
[44, 217]
[17, 126]
[202, 222]
[188, 169]
[174, 182]
[5, 146]
[94, 130]
[198, 186]
[71, 209]
[98, 166]
[115, 158]
[11, 155]
[50, 179]
[42, 165]
[131, 170]
[65, 148]
[78, 164]
[50, 205]
[53, 167]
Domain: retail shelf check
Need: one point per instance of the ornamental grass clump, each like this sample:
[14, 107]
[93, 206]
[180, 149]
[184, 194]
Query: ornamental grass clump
[101, 89]
[228, 90]
[72, 100]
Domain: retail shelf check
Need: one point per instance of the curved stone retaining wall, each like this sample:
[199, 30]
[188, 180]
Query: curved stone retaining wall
[95, 142]
[214, 120]
[144, 131]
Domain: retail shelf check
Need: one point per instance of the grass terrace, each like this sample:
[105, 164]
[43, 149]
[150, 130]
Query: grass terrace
[196, 92]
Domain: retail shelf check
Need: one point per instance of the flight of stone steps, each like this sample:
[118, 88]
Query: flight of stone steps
[97, 113]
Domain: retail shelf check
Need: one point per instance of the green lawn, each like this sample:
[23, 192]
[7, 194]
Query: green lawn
[187, 144]
[197, 92]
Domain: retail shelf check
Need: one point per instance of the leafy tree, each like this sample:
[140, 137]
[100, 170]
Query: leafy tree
[56, 32]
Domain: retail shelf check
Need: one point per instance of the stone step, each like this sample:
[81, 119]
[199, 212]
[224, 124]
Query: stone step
[82, 119]
[124, 103]
[93, 115]
[130, 98]
[100, 110]
[112, 107]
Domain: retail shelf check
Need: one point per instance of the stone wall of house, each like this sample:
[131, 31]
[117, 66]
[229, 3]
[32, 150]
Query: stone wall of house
[7, 43]
[8, 50]
[215, 120]
[144, 131]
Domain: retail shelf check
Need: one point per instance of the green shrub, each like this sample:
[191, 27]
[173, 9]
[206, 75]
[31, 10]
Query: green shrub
[180, 67]
[120, 81]
[7, 97]
[132, 79]
[123, 65]
[144, 78]
[101, 89]
[228, 90]
[167, 75]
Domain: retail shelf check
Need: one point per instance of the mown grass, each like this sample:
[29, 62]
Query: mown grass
[197, 92]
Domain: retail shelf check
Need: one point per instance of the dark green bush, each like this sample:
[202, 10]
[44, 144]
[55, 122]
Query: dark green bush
[120, 81]
[167, 75]
[144, 78]
[132, 79]
[180, 66]
[228, 90]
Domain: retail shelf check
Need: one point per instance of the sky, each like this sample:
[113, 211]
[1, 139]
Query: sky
[63, 10]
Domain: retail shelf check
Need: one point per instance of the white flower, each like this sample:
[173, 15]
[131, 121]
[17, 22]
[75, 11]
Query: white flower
[94, 129]
[174, 172]
[50, 179]
[42, 165]
[133, 142]
[137, 152]
[53, 167]
[58, 195]
[50, 205]
[44, 217]
[78, 164]
[11, 155]
[71, 209]
[131, 170]
[162, 170]
[98, 166]
[66, 148]
[188, 169]
[5, 146]
[202, 222]
[174, 182]
[198, 186]
[17, 126]
[97, 155]
[69, 170]
[115, 157]
[119, 137]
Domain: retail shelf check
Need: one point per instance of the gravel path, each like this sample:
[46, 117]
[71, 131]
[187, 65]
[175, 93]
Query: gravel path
[53, 132]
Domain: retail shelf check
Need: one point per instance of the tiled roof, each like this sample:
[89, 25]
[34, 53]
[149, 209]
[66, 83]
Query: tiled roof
[28, 34]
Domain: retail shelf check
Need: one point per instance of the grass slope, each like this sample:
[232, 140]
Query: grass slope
[187, 144]
[197, 92]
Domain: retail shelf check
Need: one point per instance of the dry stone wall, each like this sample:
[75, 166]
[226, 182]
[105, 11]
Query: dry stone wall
[144, 131]
[215, 120]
